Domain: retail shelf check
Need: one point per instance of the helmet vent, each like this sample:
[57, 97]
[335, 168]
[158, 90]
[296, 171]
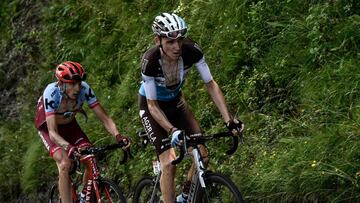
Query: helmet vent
[72, 71]
[77, 69]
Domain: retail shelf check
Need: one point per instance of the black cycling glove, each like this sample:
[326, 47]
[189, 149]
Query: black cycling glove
[234, 125]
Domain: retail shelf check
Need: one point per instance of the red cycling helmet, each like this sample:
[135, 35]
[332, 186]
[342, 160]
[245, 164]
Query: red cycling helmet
[70, 72]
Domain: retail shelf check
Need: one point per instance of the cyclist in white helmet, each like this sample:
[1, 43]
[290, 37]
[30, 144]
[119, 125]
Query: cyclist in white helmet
[163, 110]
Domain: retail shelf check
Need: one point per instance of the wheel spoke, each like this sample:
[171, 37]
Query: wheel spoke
[220, 189]
[144, 191]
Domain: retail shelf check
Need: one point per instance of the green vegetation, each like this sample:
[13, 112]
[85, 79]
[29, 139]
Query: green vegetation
[288, 69]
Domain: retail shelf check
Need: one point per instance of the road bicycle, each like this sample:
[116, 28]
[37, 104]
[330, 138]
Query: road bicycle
[98, 189]
[206, 186]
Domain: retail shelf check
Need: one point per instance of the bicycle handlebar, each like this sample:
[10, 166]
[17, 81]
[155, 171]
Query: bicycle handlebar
[98, 150]
[193, 140]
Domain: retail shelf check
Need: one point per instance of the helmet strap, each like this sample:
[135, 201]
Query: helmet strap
[63, 89]
[161, 47]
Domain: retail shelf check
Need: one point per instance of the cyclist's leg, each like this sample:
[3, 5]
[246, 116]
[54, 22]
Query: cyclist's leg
[64, 165]
[73, 133]
[62, 161]
[186, 120]
[167, 179]
[162, 145]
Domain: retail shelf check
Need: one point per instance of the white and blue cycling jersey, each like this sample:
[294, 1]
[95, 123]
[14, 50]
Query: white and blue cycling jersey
[154, 85]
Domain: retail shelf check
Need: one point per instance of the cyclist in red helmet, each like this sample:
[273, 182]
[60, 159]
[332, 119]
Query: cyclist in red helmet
[56, 123]
[164, 111]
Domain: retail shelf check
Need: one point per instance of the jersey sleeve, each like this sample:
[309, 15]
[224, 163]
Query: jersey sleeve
[149, 87]
[89, 95]
[192, 52]
[49, 99]
[149, 70]
[204, 70]
[150, 62]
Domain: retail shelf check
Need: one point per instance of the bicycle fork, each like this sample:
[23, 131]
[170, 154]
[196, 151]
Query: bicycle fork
[198, 177]
[200, 169]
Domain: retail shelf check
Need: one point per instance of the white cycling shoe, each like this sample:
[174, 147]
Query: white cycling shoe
[182, 198]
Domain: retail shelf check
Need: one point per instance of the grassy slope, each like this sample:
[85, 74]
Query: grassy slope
[288, 70]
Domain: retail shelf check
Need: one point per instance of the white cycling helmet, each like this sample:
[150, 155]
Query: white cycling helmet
[169, 25]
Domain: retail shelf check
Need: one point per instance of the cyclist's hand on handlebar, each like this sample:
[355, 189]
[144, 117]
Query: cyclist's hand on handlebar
[72, 151]
[175, 137]
[236, 127]
[123, 139]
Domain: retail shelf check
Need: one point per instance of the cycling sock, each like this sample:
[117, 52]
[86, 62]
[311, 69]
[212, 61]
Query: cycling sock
[83, 193]
[82, 197]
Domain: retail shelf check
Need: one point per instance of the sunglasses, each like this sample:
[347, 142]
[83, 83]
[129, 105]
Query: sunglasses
[175, 34]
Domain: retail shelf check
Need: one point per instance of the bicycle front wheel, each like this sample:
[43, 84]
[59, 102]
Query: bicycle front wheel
[219, 188]
[147, 191]
[110, 192]
[54, 196]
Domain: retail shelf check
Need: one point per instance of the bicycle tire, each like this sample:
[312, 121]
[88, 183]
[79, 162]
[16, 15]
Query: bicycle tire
[144, 189]
[110, 192]
[219, 188]
[54, 196]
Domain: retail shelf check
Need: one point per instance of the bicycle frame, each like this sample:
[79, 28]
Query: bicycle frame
[191, 142]
[91, 178]
[93, 173]
[97, 188]
[198, 176]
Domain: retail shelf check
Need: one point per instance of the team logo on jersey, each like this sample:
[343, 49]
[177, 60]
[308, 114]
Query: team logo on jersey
[141, 113]
[44, 141]
[144, 63]
[147, 125]
[90, 95]
[49, 103]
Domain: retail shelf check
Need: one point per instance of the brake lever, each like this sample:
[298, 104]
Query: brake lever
[180, 157]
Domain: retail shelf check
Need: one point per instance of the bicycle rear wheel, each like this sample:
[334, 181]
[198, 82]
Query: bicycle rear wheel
[110, 192]
[144, 190]
[54, 196]
[219, 188]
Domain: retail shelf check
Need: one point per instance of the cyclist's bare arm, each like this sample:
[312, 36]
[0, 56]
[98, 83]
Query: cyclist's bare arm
[53, 131]
[107, 121]
[219, 100]
[159, 115]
